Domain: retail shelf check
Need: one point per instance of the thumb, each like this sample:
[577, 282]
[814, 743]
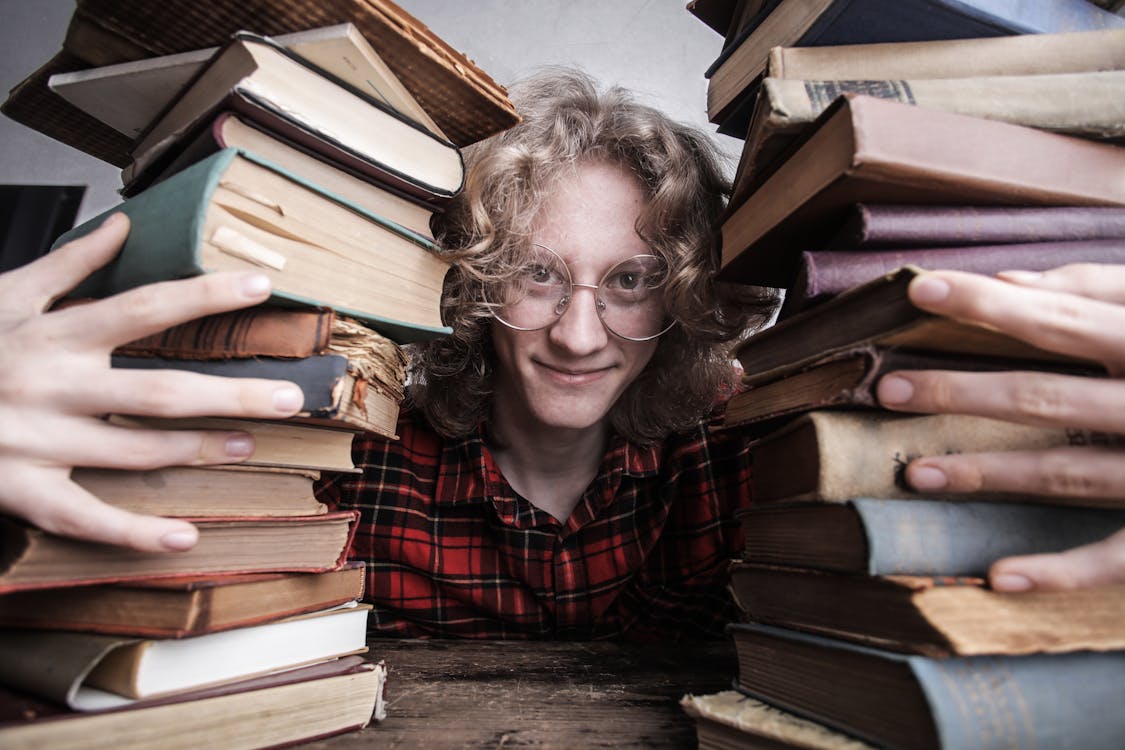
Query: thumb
[1096, 564]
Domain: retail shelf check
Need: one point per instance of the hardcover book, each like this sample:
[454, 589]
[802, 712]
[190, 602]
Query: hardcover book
[870, 150]
[932, 616]
[235, 211]
[920, 703]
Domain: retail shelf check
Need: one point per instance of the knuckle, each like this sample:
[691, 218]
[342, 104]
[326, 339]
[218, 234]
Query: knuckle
[142, 303]
[1063, 476]
[1036, 398]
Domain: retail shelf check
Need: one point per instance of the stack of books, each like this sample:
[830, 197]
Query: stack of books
[307, 160]
[867, 613]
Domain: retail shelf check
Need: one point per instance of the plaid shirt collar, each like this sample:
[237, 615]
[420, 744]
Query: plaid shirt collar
[468, 474]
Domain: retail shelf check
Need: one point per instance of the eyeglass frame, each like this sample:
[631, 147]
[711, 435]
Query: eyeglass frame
[599, 303]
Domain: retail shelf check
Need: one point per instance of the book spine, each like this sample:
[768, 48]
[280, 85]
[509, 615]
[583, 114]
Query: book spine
[824, 274]
[936, 538]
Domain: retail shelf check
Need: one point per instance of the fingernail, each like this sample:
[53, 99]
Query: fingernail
[179, 540]
[1020, 277]
[288, 399]
[240, 446]
[928, 289]
[1012, 582]
[926, 478]
[255, 285]
[895, 390]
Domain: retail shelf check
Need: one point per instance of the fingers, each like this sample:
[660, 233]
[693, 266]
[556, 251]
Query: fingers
[1036, 398]
[42, 282]
[1098, 281]
[1095, 564]
[57, 505]
[1091, 473]
[148, 309]
[1052, 320]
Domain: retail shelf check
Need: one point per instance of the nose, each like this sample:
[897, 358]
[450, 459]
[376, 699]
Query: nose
[579, 330]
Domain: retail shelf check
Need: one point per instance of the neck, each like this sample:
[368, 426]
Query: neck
[549, 467]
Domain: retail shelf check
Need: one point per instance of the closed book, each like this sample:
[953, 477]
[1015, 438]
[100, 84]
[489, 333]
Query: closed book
[823, 274]
[201, 491]
[922, 703]
[230, 130]
[31, 558]
[181, 607]
[90, 671]
[888, 226]
[730, 719]
[915, 536]
[835, 456]
[1088, 104]
[879, 314]
[276, 710]
[870, 150]
[284, 93]
[234, 211]
[336, 394]
[277, 444]
[933, 616]
[822, 23]
[129, 95]
[847, 379]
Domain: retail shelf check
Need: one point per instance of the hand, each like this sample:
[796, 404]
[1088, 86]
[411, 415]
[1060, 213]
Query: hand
[1078, 310]
[56, 383]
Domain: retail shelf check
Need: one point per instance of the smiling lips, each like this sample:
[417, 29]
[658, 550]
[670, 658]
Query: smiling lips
[567, 376]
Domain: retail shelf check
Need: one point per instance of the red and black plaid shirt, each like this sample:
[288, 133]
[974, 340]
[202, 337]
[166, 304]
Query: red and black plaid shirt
[452, 550]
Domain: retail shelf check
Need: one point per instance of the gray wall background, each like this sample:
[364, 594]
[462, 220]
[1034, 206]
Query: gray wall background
[654, 47]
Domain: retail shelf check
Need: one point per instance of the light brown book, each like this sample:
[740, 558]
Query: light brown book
[730, 719]
[277, 710]
[205, 491]
[280, 444]
[786, 107]
[866, 149]
[835, 456]
[934, 616]
[31, 558]
[182, 607]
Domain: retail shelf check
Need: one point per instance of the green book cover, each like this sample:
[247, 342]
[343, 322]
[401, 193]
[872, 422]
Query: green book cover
[165, 241]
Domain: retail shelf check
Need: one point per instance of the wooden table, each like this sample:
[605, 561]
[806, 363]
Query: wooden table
[509, 694]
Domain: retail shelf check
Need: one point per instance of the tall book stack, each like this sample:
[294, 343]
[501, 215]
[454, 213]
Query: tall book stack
[867, 614]
[323, 176]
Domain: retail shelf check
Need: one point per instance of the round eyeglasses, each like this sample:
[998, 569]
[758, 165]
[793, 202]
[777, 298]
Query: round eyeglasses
[629, 298]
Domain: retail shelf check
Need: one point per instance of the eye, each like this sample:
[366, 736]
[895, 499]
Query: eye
[543, 274]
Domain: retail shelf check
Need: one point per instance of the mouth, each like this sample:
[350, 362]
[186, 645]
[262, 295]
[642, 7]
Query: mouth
[573, 376]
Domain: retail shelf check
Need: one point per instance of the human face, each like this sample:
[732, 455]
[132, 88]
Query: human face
[568, 375]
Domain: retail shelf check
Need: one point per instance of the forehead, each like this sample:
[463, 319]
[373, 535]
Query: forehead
[591, 214]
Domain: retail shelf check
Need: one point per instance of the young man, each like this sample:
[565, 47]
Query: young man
[555, 475]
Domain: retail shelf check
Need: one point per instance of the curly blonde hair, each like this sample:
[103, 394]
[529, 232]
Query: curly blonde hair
[566, 120]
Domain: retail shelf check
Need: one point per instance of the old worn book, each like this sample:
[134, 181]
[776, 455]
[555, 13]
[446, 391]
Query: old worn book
[462, 99]
[847, 379]
[182, 607]
[284, 93]
[934, 616]
[129, 95]
[878, 313]
[31, 558]
[277, 444]
[870, 150]
[836, 456]
[804, 23]
[277, 710]
[730, 719]
[236, 211]
[204, 491]
[823, 274]
[230, 130]
[883, 226]
[90, 671]
[914, 536]
[337, 392]
[785, 108]
[921, 703]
